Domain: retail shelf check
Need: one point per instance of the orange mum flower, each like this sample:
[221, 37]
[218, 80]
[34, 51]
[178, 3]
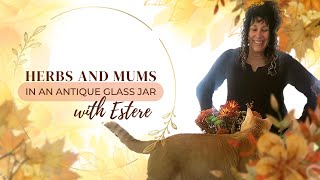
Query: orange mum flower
[233, 105]
[281, 159]
[230, 109]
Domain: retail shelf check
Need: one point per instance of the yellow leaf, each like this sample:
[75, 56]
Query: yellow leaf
[295, 9]
[11, 8]
[203, 3]
[76, 139]
[5, 94]
[183, 10]
[31, 172]
[299, 39]
[217, 33]
[102, 159]
[65, 174]
[18, 119]
[12, 118]
[3, 129]
[9, 142]
[56, 160]
[119, 157]
[40, 115]
[313, 28]
[140, 167]
[163, 16]
[102, 147]
[5, 109]
[201, 18]
[34, 153]
[157, 2]
[27, 170]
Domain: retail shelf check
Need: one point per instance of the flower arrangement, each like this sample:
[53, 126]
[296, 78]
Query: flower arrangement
[227, 120]
[295, 155]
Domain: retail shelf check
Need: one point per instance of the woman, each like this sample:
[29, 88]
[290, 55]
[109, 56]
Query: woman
[257, 69]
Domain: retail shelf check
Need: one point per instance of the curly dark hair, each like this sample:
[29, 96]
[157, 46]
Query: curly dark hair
[268, 12]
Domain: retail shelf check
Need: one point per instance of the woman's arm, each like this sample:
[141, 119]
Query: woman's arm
[305, 82]
[213, 80]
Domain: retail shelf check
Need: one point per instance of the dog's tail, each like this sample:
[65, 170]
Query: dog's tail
[132, 143]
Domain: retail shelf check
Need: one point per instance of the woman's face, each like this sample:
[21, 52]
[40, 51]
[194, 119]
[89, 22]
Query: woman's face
[258, 37]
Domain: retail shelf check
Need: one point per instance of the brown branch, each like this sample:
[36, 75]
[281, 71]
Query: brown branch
[5, 155]
[18, 168]
[12, 151]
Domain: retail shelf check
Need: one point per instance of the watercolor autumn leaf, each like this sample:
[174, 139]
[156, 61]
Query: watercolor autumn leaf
[19, 159]
[202, 20]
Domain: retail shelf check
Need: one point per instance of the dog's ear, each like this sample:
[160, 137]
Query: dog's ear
[249, 115]
[248, 121]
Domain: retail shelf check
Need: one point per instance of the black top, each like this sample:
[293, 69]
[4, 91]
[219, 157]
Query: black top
[245, 85]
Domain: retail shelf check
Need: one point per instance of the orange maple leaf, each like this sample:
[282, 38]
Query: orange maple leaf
[300, 36]
[12, 118]
[9, 142]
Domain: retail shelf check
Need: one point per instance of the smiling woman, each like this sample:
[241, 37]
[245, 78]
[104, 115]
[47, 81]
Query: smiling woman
[258, 69]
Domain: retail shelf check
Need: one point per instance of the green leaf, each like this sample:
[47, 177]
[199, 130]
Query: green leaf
[209, 118]
[212, 119]
[217, 122]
